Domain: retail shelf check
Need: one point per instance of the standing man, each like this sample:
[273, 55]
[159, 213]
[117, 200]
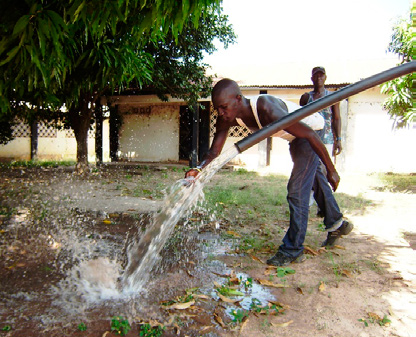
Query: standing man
[331, 135]
[306, 149]
[332, 116]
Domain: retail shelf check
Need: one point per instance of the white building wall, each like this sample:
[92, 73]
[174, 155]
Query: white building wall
[17, 149]
[374, 145]
[149, 134]
[53, 144]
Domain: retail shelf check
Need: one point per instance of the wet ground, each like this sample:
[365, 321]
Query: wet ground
[63, 240]
[62, 251]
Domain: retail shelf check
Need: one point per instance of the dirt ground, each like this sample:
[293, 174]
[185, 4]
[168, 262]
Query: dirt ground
[346, 291]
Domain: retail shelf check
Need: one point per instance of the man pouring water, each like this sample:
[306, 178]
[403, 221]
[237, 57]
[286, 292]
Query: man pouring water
[306, 148]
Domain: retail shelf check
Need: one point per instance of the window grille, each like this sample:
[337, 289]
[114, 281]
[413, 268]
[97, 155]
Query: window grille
[21, 130]
[46, 131]
[235, 131]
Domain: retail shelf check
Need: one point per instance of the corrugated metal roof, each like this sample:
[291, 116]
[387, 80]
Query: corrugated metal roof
[288, 86]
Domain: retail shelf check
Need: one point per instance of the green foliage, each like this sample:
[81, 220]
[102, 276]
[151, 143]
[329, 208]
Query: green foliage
[248, 283]
[82, 327]
[6, 132]
[397, 182]
[283, 271]
[34, 163]
[239, 315]
[6, 328]
[227, 291]
[146, 330]
[256, 307]
[256, 243]
[246, 192]
[120, 326]
[69, 53]
[399, 104]
[375, 319]
[178, 68]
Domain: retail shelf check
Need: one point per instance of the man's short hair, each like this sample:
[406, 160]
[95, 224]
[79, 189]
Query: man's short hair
[225, 83]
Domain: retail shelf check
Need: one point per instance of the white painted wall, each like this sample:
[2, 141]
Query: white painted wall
[17, 149]
[373, 144]
[61, 147]
[151, 134]
[370, 143]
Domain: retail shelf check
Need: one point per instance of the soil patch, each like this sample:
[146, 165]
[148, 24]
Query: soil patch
[48, 216]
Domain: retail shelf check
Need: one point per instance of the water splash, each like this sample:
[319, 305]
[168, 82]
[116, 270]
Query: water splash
[93, 278]
[183, 195]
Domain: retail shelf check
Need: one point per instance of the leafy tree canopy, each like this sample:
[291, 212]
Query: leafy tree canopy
[399, 104]
[56, 53]
[80, 46]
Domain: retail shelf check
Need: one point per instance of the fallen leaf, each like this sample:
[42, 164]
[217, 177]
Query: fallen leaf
[279, 304]
[107, 222]
[271, 284]
[234, 280]
[269, 270]
[227, 299]
[373, 315]
[221, 275]
[205, 328]
[282, 325]
[255, 258]
[244, 323]
[106, 333]
[339, 247]
[180, 306]
[219, 320]
[321, 286]
[308, 250]
[347, 273]
[299, 290]
[234, 234]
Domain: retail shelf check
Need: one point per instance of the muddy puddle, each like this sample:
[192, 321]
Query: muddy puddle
[59, 276]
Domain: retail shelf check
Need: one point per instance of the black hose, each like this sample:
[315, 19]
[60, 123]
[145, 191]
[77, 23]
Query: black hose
[324, 102]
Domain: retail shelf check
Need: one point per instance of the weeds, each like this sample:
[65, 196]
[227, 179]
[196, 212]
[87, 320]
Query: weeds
[375, 266]
[120, 326]
[256, 244]
[397, 182]
[239, 315]
[375, 319]
[35, 163]
[146, 330]
[82, 327]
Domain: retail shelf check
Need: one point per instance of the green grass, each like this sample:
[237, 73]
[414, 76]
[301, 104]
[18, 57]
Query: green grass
[247, 195]
[35, 163]
[397, 182]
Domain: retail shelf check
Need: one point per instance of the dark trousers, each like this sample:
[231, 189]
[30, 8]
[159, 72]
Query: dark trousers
[306, 175]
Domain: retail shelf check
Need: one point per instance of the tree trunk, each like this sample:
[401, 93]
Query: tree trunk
[80, 120]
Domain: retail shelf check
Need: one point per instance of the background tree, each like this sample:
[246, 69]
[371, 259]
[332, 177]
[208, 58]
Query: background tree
[399, 103]
[178, 61]
[68, 53]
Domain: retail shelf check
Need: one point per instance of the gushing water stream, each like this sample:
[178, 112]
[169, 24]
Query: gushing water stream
[183, 195]
[96, 278]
